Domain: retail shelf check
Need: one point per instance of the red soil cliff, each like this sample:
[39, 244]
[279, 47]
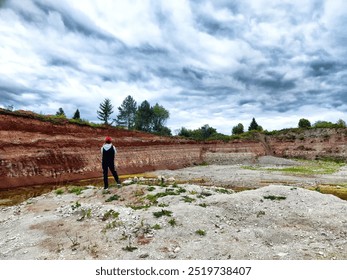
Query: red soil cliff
[34, 152]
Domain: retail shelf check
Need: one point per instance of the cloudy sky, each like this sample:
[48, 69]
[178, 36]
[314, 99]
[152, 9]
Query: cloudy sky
[216, 62]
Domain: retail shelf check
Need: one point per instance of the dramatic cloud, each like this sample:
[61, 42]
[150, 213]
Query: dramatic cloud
[217, 62]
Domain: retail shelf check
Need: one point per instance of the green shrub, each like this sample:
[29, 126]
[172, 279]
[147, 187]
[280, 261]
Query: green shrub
[162, 213]
[110, 214]
[76, 190]
[200, 232]
[188, 199]
[172, 222]
[156, 227]
[139, 207]
[59, 192]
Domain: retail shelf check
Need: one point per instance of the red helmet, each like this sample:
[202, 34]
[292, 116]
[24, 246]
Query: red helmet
[108, 139]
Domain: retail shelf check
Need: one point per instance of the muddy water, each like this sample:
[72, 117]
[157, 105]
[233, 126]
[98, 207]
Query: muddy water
[18, 195]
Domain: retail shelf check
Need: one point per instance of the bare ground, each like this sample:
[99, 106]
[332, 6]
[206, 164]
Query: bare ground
[197, 218]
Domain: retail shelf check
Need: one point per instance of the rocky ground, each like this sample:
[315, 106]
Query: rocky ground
[192, 214]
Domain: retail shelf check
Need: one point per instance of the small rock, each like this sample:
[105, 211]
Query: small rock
[177, 249]
[128, 181]
[281, 254]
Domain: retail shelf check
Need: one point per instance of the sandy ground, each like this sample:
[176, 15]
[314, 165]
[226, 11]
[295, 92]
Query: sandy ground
[177, 220]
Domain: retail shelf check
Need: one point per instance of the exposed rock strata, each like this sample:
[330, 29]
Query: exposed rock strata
[34, 152]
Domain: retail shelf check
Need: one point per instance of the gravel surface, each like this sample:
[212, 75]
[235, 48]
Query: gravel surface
[193, 221]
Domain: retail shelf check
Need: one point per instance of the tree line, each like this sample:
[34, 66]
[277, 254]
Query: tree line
[152, 119]
[206, 132]
[143, 117]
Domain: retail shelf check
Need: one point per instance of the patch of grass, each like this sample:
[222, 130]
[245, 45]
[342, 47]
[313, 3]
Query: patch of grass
[150, 189]
[156, 227]
[110, 214]
[112, 198]
[163, 205]
[204, 194]
[200, 232]
[163, 184]
[306, 167]
[181, 190]
[274, 197]
[85, 213]
[224, 191]
[248, 167]
[111, 225]
[162, 213]
[153, 198]
[203, 205]
[76, 190]
[188, 199]
[139, 207]
[172, 222]
[59, 192]
[129, 248]
[76, 205]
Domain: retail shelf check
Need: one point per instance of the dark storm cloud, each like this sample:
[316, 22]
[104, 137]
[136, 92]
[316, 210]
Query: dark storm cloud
[200, 59]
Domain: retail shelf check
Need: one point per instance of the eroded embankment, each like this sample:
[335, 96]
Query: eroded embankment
[35, 152]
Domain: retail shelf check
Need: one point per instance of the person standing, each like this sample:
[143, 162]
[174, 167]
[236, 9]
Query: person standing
[108, 153]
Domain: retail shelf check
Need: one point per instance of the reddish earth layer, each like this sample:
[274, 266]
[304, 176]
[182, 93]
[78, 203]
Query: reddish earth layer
[34, 152]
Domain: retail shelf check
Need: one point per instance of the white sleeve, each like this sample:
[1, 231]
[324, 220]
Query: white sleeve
[115, 150]
[101, 150]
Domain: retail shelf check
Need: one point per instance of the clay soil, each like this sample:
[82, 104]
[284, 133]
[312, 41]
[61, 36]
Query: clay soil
[194, 213]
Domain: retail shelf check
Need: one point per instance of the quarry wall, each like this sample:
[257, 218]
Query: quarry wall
[34, 152]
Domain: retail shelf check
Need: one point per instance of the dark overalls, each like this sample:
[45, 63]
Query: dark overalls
[108, 163]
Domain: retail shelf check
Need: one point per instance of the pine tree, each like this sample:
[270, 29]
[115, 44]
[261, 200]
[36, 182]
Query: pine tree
[77, 115]
[254, 125]
[106, 109]
[127, 113]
